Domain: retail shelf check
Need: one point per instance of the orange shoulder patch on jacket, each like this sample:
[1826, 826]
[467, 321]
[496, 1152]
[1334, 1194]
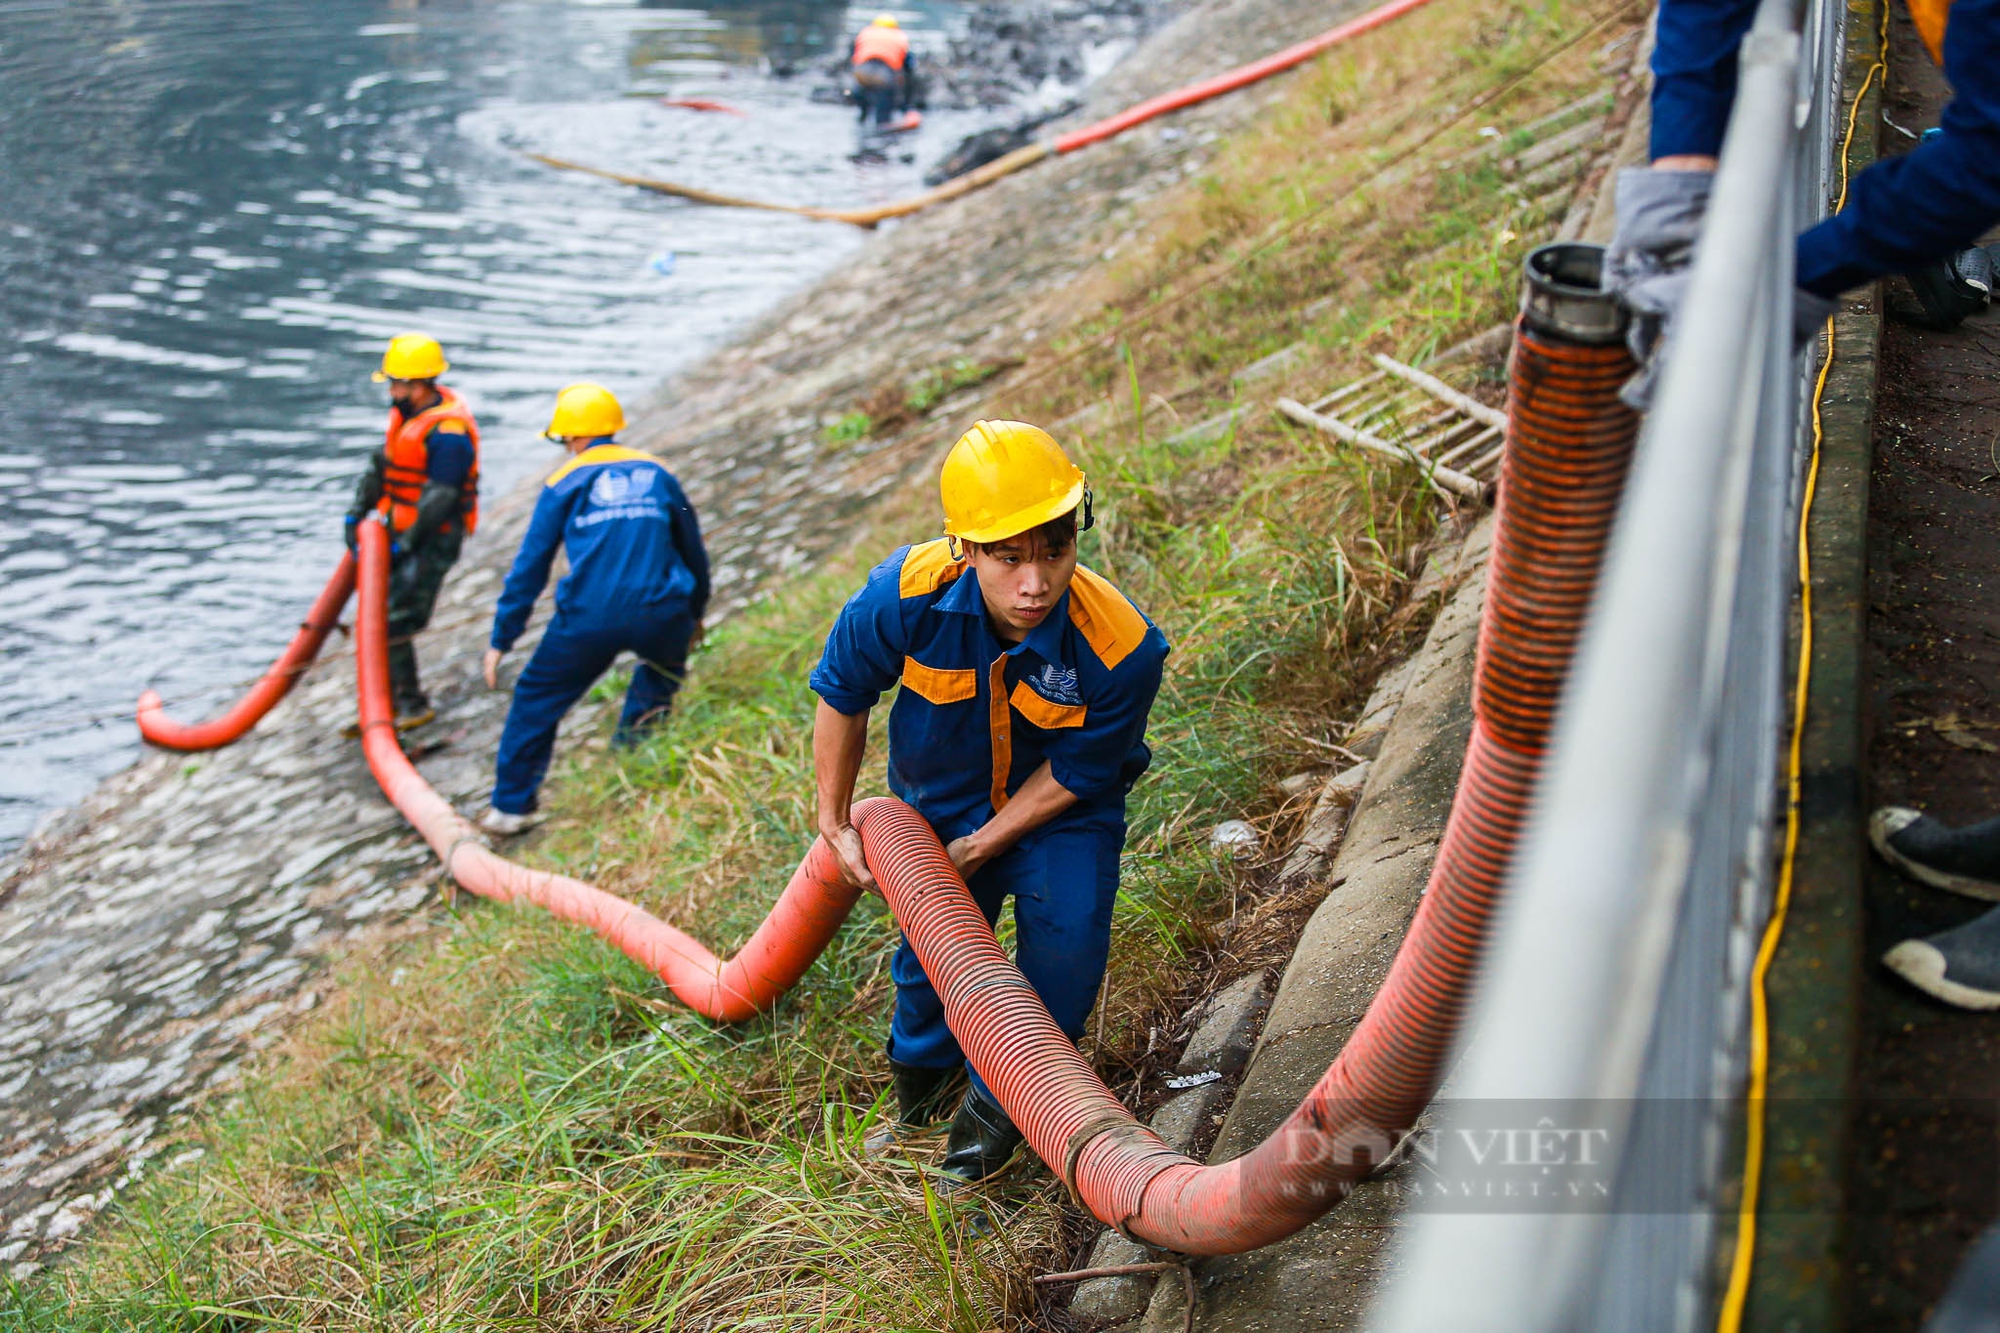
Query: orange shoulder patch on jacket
[927, 567]
[1109, 623]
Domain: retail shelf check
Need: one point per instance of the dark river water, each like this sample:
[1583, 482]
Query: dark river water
[216, 213]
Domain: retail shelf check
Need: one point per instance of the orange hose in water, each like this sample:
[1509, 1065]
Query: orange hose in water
[273, 685]
[1569, 443]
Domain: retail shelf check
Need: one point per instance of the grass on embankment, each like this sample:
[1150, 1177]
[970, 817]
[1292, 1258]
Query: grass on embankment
[506, 1125]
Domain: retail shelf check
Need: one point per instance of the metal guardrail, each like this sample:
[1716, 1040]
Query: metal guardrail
[1615, 995]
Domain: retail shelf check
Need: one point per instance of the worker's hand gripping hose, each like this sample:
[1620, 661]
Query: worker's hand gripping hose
[157, 727]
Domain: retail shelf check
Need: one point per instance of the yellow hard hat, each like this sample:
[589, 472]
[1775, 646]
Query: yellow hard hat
[412, 356]
[885, 21]
[1003, 478]
[583, 411]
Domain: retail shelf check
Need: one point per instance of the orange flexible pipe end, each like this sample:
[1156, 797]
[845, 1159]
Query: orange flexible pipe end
[273, 685]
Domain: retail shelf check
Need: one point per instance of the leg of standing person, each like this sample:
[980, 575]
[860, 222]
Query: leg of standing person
[414, 582]
[656, 679]
[565, 664]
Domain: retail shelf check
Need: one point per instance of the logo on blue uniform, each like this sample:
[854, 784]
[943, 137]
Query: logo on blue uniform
[1057, 684]
[614, 487]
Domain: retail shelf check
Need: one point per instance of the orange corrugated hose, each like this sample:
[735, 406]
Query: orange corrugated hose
[1569, 444]
[273, 685]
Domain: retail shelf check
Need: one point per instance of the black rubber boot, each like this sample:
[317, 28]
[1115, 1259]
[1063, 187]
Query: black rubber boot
[982, 1140]
[1960, 966]
[921, 1098]
[923, 1094]
[1963, 860]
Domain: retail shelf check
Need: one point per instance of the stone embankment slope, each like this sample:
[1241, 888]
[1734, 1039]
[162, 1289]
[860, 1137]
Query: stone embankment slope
[171, 924]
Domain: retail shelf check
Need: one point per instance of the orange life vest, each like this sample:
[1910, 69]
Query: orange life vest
[406, 451]
[1930, 17]
[891, 46]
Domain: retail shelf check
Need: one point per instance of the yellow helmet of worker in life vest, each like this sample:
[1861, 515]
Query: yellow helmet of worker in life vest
[585, 411]
[1005, 477]
[412, 356]
[885, 21]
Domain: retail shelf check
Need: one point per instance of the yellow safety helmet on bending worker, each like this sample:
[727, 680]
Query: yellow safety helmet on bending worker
[885, 21]
[1005, 477]
[412, 356]
[585, 411]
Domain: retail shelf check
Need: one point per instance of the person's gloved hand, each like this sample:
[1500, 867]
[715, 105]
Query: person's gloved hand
[1649, 266]
[347, 529]
[1646, 266]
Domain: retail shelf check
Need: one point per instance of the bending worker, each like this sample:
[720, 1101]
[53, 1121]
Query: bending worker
[424, 483]
[1026, 681]
[883, 66]
[638, 580]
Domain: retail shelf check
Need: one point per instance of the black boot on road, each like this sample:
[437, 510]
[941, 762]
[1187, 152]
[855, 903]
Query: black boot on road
[982, 1140]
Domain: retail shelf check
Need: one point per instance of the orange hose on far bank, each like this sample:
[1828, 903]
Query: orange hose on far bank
[1240, 77]
[273, 685]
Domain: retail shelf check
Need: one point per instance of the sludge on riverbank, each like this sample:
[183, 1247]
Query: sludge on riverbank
[499, 1121]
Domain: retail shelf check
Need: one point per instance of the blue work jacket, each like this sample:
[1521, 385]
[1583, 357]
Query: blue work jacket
[976, 716]
[634, 545]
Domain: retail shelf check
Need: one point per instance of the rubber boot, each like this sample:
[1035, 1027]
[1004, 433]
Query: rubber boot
[413, 707]
[921, 1098]
[982, 1141]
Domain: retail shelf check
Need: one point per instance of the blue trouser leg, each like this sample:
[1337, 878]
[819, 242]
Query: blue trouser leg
[1064, 885]
[662, 648]
[566, 663]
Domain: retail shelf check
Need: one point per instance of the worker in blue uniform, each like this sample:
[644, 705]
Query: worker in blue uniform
[1020, 726]
[1915, 214]
[637, 581]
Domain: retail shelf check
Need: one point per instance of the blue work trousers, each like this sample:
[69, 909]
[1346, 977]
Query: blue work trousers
[568, 661]
[1063, 884]
[877, 89]
[1902, 212]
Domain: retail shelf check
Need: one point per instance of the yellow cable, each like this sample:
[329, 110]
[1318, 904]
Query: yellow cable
[1730, 1319]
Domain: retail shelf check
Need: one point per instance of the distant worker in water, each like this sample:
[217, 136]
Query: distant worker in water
[637, 581]
[424, 482]
[1020, 725]
[884, 70]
